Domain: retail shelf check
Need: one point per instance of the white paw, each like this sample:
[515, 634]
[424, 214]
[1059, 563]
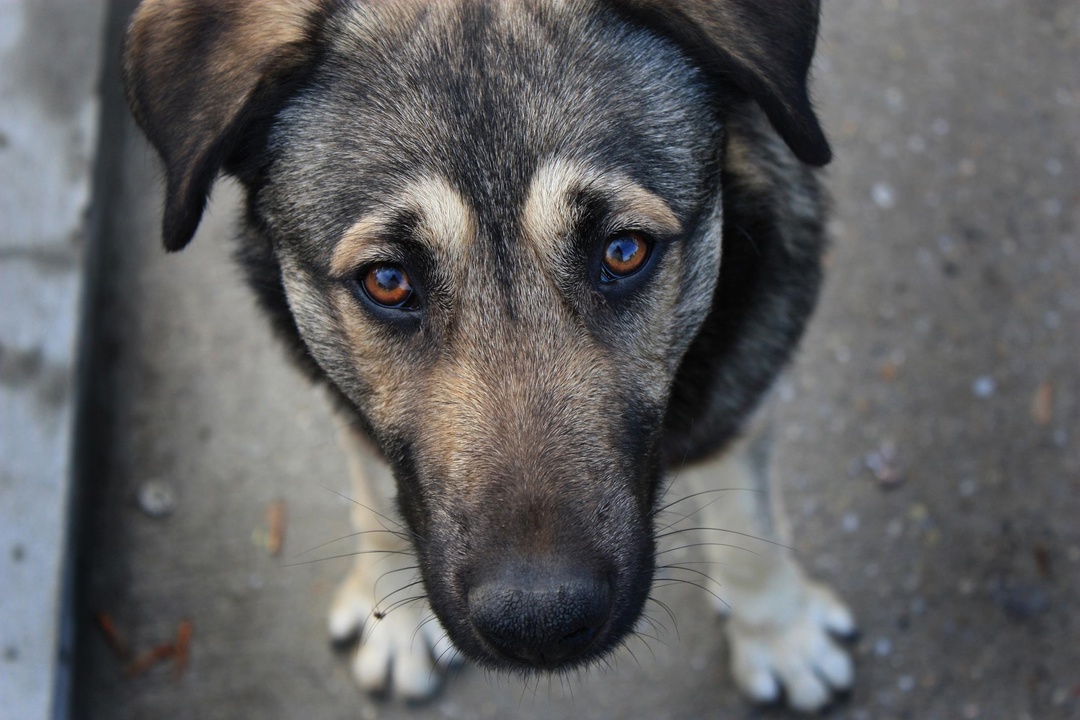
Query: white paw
[799, 655]
[402, 646]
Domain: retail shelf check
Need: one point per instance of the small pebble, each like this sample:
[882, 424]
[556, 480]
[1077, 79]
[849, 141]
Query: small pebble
[18, 553]
[1052, 319]
[1052, 207]
[883, 647]
[894, 98]
[1042, 404]
[157, 498]
[971, 711]
[905, 683]
[881, 463]
[919, 513]
[940, 127]
[983, 387]
[1060, 696]
[883, 196]
[967, 487]
[1054, 166]
[916, 144]
[11, 653]
[850, 522]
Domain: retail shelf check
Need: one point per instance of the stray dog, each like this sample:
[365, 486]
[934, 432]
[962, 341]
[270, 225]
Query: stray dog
[543, 253]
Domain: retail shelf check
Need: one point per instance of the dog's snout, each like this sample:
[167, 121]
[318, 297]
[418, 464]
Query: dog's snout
[541, 616]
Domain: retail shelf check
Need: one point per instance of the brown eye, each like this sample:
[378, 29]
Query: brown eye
[387, 285]
[624, 255]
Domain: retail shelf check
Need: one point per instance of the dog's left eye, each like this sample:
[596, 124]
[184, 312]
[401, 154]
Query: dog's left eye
[624, 255]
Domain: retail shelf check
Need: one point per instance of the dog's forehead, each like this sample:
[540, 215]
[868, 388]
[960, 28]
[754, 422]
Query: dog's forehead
[479, 96]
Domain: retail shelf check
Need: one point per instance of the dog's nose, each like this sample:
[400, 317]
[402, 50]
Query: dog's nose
[542, 616]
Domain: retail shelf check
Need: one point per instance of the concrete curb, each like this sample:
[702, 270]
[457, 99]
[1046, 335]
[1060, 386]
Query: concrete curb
[51, 52]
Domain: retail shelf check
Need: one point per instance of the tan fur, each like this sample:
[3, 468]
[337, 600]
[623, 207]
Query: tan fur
[548, 215]
[447, 224]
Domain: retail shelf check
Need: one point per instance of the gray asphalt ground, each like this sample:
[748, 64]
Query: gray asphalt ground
[931, 425]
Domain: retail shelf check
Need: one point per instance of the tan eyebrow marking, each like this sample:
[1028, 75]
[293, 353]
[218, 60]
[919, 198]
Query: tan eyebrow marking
[549, 213]
[447, 224]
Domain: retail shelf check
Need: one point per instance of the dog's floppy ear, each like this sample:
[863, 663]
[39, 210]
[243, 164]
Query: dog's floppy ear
[197, 74]
[762, 46]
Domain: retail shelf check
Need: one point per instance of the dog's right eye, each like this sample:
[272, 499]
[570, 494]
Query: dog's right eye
[624, 255]
[388, 285]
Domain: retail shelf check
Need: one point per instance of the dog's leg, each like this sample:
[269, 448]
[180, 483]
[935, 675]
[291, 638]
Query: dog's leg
[401, 642]
[781, 625]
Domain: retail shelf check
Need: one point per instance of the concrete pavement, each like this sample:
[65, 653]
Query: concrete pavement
[931, 427]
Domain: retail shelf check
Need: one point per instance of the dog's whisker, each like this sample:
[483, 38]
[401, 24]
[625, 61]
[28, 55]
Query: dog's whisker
[375, 585]
[704, 544]
[450, 648]
[724, 530]
[346, 555]
[420, 626]
[607, 662]
[391, 520]
[344, 537]
[380, 614]
[665, 608]
[644, 640]
[675, 475]
[701, 587]
[565, 686]
[691, 496]
[708, 577]
[524, 689]
[655, 624]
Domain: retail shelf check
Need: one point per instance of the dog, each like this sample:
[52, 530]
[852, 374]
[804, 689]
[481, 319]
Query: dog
[548, 257]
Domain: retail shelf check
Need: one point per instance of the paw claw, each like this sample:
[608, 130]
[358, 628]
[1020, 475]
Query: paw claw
[761, 686]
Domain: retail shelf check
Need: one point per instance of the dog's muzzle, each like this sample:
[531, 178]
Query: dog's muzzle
[540, 614]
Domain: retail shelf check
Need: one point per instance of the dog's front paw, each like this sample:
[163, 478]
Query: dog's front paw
[799, 655]
[402, 646]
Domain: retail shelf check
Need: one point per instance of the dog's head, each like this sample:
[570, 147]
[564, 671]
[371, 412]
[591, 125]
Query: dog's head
[498, 224]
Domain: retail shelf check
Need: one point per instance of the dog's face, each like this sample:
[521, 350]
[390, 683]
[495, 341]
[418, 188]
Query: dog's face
[498, 225]
[523, 243]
